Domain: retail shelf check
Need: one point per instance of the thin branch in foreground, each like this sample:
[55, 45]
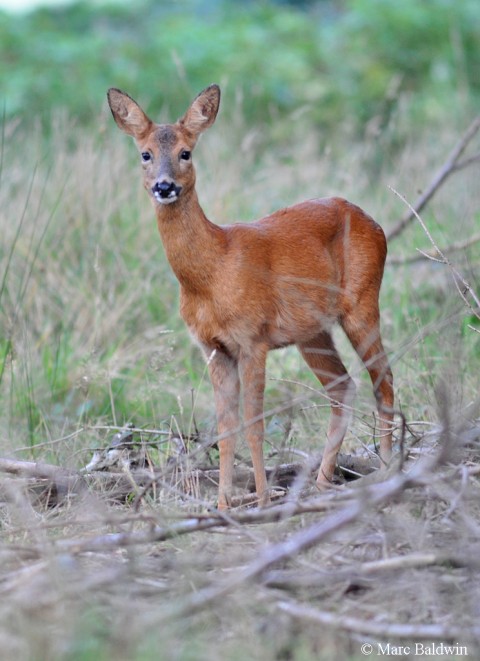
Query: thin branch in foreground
[378, 629]
[450, 166]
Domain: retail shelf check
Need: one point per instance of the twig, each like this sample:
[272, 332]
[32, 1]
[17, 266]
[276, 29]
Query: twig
[467, 161]
[54, 441]
[378, 629]
[140, 430]
[451, 165]
[292, 580]
[395, 260]
[444, 259]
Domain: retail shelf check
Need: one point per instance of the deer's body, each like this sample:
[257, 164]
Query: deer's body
[248, 288]
[277, 281]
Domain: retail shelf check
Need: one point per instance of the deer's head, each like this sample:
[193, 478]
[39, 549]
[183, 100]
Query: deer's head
[166, 149]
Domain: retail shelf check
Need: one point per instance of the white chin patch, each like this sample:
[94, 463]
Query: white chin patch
[173, 197]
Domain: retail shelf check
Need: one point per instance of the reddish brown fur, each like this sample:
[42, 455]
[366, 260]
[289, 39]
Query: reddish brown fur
[249, 288]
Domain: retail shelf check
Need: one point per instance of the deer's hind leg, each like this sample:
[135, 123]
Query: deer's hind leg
[321, 356]
[364, 334]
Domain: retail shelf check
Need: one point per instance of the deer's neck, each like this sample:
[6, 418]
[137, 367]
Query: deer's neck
[194, 246]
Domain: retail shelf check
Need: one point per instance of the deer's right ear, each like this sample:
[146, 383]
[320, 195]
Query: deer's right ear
[128, 114]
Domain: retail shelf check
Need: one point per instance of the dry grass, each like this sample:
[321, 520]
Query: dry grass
[90, 336]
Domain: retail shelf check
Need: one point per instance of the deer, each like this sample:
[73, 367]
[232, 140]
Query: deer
[249, 288]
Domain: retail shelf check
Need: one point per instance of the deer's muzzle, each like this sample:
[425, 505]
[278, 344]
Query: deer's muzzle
[166, 192]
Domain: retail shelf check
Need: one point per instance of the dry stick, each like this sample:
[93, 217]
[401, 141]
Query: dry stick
[457, 275]
[117, 428]
[298, 579]
[467, 161]
[378, 629]
[451, 165]
[54, 441]
[37, 469]
[72, 480]
[119, 484]
[200, 522]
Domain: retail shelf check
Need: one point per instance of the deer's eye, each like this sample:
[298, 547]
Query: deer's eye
[185, 155]
[146, 156]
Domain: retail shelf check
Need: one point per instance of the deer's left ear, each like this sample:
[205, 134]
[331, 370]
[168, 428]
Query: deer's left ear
[203, 110]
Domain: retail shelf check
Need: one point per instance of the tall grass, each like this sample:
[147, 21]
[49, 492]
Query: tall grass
[90, 331]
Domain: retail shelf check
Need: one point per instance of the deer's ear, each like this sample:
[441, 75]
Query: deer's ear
[128, 114]
[203, 110]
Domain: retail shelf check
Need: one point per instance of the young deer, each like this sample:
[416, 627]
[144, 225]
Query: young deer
[248, 288]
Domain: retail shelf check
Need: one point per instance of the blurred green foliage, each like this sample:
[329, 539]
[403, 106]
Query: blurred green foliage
[355, 59]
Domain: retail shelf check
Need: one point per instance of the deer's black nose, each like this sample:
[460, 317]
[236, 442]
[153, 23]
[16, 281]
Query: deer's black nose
[165, 189]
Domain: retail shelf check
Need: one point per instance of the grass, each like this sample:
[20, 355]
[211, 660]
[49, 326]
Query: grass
[89, 305]
[90, 337]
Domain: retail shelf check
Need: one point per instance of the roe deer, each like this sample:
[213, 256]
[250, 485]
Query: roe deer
[248, 288]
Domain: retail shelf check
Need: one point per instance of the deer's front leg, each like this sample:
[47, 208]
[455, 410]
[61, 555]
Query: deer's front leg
[226, 387]
[252, 376]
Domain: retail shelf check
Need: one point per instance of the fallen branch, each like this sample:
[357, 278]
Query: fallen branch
[46, 483]
[52, 483]
[385, 630]
[35, 469]
[295, 579]
[451, 165]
